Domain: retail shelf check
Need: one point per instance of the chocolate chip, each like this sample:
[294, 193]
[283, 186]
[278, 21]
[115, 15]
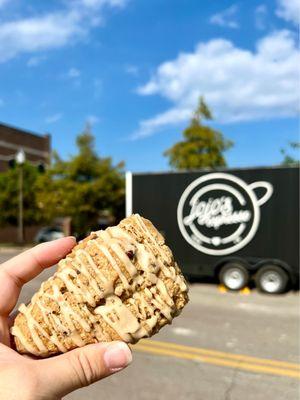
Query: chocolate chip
[130, 254]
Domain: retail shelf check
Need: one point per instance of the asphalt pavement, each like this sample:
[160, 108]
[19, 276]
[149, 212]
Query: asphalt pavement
[224, 346]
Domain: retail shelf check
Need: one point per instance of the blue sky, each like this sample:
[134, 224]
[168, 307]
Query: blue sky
[135, 69]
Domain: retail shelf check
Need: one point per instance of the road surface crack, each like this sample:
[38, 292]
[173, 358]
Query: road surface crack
[228, 391]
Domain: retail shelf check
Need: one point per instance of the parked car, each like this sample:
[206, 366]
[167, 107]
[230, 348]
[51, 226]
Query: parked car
[48, 233]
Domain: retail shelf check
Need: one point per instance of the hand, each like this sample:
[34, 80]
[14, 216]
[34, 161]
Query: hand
[23, 377]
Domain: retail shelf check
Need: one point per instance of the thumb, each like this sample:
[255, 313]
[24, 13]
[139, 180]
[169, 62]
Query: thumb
[81, 367]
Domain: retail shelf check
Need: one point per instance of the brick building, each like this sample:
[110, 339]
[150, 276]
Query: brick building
[36, 147]
[37, 151]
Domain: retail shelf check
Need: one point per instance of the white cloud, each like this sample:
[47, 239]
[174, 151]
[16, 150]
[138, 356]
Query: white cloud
[238, 84]
[92, 119]
[51, 30]
[35, 61]
[260, 16]
[51, 119]
[289, 10]
[73, 73]
[226, 18]
[131, 69]
[39, 33]
[99, 3]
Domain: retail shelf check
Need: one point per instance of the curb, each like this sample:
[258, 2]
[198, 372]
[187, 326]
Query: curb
[11, 250]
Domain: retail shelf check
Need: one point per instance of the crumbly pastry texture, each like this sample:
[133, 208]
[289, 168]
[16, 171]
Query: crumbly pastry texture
[117, 284]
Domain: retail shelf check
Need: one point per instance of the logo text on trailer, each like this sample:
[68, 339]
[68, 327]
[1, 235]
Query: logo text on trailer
[219, 213]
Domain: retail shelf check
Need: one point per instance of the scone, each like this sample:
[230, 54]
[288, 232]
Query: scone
[117, 284]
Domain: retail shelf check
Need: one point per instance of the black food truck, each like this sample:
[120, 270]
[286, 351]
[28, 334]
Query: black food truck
[233, 225]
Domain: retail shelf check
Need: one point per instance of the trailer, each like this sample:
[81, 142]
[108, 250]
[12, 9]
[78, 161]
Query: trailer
[235, 226]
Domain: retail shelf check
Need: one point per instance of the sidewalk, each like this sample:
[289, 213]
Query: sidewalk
[11, 248]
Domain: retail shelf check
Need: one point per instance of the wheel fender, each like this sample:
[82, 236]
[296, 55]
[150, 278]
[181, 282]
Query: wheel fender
[226, 260]
[286, 267]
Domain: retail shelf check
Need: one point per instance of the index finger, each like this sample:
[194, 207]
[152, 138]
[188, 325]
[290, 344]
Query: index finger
[15, 272]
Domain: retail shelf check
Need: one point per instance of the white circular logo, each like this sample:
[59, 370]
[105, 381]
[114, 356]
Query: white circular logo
[219, 213]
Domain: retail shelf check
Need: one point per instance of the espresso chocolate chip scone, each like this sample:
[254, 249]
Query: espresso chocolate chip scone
[117, 284]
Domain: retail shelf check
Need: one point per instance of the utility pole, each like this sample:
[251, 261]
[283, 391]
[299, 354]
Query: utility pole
[20, 159]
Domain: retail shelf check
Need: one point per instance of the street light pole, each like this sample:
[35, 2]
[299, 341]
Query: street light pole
[20, 218]
[20, 159]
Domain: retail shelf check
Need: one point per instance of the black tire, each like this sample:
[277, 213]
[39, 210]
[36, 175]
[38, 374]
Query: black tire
[272, 279]
[234, 276]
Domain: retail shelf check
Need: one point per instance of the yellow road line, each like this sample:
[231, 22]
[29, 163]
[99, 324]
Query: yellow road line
[218, 361]
[220, 354]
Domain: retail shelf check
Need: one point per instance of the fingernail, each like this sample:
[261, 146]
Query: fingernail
[117, 356]
[72, 237]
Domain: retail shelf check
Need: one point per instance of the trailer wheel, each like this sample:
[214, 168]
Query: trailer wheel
[271, 279]
[234, 276]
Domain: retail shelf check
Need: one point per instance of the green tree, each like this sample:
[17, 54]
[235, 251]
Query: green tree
[202, 147]
[82, 187]
[288, 159]
[9, 195]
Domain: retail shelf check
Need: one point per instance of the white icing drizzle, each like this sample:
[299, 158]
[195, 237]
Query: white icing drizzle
[119, 317]
[132, 319]
[16, 331]
[114, 264]
[46, 313]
